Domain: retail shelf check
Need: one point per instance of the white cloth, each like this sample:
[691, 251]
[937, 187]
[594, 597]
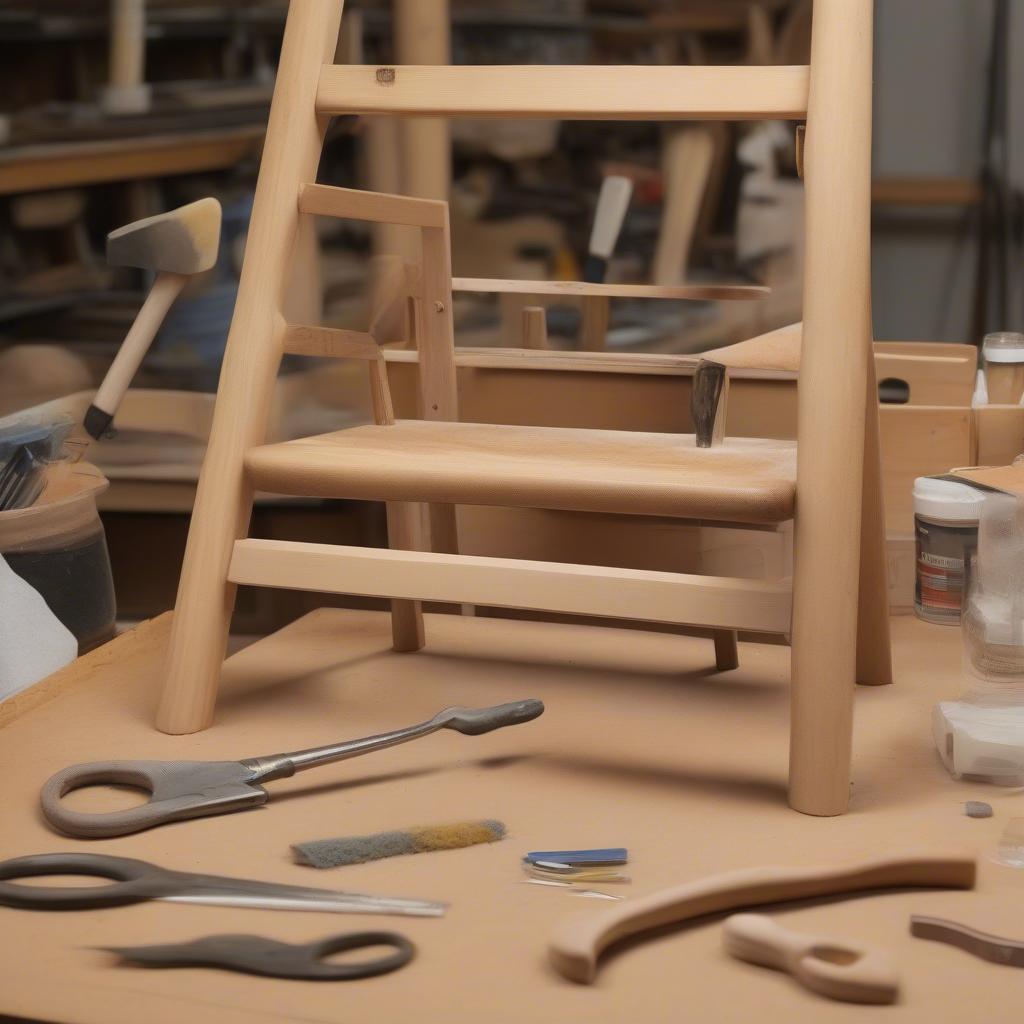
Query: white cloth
[33, 641]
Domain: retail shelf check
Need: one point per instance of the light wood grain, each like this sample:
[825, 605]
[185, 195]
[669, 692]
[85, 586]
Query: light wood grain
[833, 382]
[832, 967]
[874, 644]
[936, 374]
[758, 605]
[747, 292]
[630, 363]
[686, 159]
[577, 92]
[224, 496]
[920, 441]
[1000, 434]
[744, 480]
[594, 323]
[376, 207]
[328, 342]
[166, 288]
[535, 328]
[577, 944]
[692, 766]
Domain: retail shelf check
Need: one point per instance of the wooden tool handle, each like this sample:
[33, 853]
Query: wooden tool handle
[578, 943]
[133, 350]
[831, 967]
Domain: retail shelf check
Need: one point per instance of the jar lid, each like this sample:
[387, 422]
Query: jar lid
[1003, 347]
[947, 499]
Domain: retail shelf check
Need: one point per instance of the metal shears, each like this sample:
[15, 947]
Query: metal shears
[135, 881]
[193, 789]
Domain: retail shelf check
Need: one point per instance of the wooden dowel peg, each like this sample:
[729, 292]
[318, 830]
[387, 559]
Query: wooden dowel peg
[535, 327]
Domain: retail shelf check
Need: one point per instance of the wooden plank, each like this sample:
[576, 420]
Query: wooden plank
[935, 374]
[747, 292]
[1000, 430]
[920, 441]
[62, 165]
[584, 92]
[329, 342]
[376, 207]
[510, 583]
[930, 191]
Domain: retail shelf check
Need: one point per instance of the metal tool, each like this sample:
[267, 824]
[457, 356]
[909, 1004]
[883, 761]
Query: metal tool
[193, 789]
[136, 881]
[998, 949]
[708, 402]
[254, 954]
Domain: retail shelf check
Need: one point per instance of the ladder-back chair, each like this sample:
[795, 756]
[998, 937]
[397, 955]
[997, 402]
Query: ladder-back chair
[835, 607]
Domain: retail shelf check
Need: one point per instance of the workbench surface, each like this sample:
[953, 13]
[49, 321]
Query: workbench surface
[643, 745]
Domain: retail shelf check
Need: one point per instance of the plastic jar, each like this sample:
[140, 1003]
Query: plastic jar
[1003, 353]
[946, 518]
[59, 548]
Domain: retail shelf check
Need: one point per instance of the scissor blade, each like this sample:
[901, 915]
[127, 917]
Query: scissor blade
[325, 904]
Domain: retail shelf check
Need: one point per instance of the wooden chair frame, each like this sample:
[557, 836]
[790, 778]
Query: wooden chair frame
[836, 609]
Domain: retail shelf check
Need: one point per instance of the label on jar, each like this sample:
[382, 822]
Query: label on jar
[944, 556]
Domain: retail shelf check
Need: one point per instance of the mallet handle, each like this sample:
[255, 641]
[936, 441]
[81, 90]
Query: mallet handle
[133, 349]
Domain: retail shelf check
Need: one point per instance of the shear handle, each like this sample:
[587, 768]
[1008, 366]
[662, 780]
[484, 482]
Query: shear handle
[133, 881]
[254, 954]
[178, 790]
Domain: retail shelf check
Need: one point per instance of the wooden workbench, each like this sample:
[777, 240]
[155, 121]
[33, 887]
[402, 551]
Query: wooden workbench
[642, 745]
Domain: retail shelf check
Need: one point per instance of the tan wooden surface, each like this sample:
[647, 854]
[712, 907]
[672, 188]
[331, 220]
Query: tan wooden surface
[743, 480]
[641, 745]
[920, 441]
[1000, 430]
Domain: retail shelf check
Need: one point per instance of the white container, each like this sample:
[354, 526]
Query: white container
[946, 517]
[1003, 353]
[981, 735]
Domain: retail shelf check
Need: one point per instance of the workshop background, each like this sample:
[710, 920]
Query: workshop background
[709, 202]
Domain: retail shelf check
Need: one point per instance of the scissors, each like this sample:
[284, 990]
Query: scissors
[254, 954]
[194, 789]
[135, 881]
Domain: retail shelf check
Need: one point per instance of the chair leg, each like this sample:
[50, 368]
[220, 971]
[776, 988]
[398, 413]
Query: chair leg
[202, 617]
[874, 652]
[726, 654]
[405, 533]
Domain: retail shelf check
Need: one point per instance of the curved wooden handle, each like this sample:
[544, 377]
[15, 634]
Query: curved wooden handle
[831, 967]
[578, 943]
[165, 290]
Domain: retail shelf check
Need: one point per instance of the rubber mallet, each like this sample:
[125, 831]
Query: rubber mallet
[177, 245]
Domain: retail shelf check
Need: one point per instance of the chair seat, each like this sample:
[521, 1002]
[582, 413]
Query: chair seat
[745, 480]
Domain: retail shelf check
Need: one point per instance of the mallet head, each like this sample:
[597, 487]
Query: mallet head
[181, 241]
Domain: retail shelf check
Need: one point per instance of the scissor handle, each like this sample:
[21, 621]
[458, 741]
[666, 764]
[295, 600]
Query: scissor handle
[178, 789]
[255, 954]
[134, 881]
[404, 951]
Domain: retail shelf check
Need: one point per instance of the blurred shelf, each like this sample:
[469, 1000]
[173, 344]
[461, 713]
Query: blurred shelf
[925, 192]
[34, 168]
